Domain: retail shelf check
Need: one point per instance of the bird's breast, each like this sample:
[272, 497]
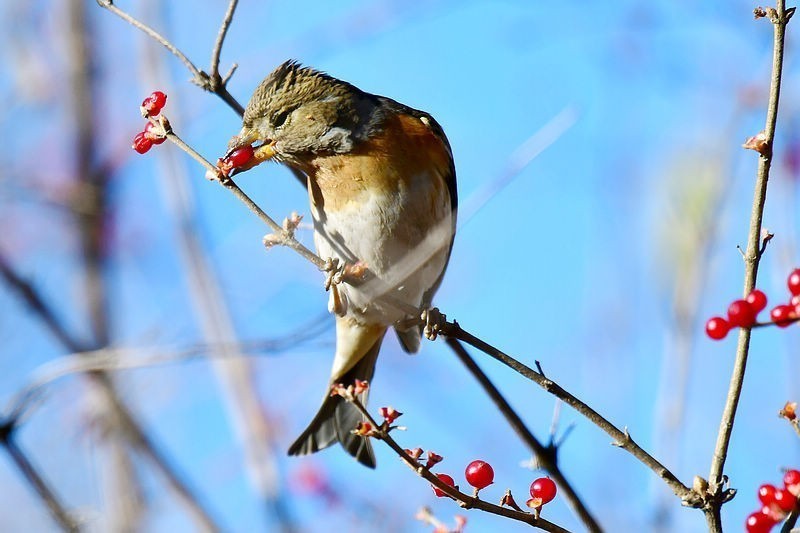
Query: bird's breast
[386, 204]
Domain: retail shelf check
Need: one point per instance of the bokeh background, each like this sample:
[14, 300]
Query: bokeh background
[603, 191]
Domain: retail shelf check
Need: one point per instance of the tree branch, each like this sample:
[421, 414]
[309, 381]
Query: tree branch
[223, 30]
[464, 500]
[621, 438]
[211, 83]
[752, 258]
[545, 455]
[35, 479]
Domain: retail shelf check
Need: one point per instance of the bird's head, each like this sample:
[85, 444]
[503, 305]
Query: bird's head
[298, 113]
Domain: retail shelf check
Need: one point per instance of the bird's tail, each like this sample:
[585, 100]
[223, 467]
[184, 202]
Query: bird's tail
[337, 417]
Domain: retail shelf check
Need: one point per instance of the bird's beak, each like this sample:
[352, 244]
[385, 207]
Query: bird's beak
[263, 152]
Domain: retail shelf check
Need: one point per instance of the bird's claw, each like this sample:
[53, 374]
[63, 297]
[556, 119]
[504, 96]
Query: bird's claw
[433, 321]
[336, 272]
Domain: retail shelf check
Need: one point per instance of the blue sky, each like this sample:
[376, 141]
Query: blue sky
[574, 263]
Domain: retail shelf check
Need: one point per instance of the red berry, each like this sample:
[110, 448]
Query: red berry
[791, 480]
[758, 522]
[153, 104]
[782, 315]
[141, 143]
[156, 138]
[741, 314]
[479, 474]
[773, 512]
[240, 156]
[717, 328]
[794, 281]
[766, 494]
[785, 500]
[447, 480]
[757, 300]
[543, 488]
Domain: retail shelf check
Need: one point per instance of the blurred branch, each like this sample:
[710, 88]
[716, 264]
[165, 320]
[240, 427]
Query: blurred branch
[36, 303]
[381, 432]
[91, 207]
[519, 160]
[35, 479]
[546, 456]
[111, 359]
[235, 374]
[780, 18]
[130, 426]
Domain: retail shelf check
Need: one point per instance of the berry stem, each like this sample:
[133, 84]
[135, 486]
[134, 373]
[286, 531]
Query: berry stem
[752, 257]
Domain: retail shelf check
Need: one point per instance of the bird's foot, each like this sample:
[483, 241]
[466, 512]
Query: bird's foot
[336, 272]
[433, 322]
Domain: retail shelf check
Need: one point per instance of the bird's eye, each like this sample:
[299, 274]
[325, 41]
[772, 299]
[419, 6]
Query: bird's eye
[280, 118]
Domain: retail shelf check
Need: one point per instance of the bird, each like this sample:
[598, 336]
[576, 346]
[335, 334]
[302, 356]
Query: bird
[382, 191]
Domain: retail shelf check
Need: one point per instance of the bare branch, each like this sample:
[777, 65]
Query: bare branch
[286, 238]
[752, 259]
[153, 34]
[215, 53]
[621, 438]
[35, 480]
[466, 501]
[214, 83]
[545, 455]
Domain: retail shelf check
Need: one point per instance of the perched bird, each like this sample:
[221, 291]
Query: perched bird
[382, 188]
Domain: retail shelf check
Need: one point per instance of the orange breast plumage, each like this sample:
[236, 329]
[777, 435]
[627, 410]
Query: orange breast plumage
[386, 204]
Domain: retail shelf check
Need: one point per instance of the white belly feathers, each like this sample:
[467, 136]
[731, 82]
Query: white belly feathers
[406, 258]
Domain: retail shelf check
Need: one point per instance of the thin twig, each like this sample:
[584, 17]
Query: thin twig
[752, 258]
[621, 438]
[223, 30]
[91, 211]
[466, 501]
[35, 480]
[215, 84]
[545, 455]
[790, 522]
[153, 34]
[286, 238]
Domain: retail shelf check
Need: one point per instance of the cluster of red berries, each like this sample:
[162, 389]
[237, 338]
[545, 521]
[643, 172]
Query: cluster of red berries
[480, 474]
[776, 503]
[152, 134]
[743, 313]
